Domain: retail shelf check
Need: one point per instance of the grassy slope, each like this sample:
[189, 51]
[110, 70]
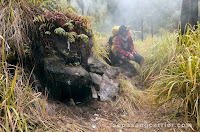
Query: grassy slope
[29, 110]
[25, 109]
[172, 73]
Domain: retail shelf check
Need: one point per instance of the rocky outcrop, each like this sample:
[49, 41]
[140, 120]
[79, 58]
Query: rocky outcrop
[60, 54]
[108, 88]
[72, 73]
[65, 81]
[104, 78]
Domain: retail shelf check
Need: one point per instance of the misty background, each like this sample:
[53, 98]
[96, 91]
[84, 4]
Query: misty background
[149, 16]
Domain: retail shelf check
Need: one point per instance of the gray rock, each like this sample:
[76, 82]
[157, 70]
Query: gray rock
[64, 80]
[60, 67]
[56, 65]
[96, 78]
[112, 72]
[96, 65]
[94, 92]
[96, 70]
[108, 88]
[94, 62]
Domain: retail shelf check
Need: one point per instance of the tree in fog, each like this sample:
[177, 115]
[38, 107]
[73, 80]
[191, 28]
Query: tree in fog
[81, 5]
[189, 13]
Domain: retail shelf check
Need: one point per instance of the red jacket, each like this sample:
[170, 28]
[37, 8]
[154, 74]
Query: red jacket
[119, 45]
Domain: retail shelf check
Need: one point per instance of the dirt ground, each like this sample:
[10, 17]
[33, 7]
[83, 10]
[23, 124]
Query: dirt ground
[93, 115]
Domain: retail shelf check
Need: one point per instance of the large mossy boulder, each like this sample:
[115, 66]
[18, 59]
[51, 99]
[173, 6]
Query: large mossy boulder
[63, 62]
[60, 51]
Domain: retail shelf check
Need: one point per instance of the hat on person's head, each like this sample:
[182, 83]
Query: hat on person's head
[123, 28]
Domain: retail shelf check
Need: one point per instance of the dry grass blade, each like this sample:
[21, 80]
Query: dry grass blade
[100, 52]
[176, 74]
[132, 97]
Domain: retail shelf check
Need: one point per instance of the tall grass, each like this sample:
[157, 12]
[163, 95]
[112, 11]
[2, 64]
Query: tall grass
[172, 67]
[160, 51]
[132, 97]
[18, 102]
[23, 108]
[15, 21]
[100, 48]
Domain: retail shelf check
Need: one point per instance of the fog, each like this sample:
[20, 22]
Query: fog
[152, 14]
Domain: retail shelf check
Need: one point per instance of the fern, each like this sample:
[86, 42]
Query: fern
[42, 26]
[82, 21]
[39, 19]
[47, 26]
[71, 36]
[83, 37]
[48, 32]
[69, 25]
[48, 4]
[60, 31]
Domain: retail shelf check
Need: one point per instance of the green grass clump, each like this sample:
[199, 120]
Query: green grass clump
[100, 48]
[23, 108]
[159, 52]
[172, 67]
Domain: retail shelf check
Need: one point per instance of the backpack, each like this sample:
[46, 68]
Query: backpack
[112, 54]
[115, 31]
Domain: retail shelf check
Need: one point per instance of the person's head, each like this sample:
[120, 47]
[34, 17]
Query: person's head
[124, 30]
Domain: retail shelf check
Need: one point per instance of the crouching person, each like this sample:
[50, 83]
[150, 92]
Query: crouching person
[123, 47]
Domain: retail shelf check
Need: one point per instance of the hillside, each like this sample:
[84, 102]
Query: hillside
[55, 75]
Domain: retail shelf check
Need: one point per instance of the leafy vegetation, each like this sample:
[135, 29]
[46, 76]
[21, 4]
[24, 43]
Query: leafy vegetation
[71, 25]
[22, 109]
[172, 67]
[101, 51]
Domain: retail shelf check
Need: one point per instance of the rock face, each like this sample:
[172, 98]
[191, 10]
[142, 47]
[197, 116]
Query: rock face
[108, 88]
[105, 85]
[96, 66]
[61, 45]
[63, 71]
[72, 73]
[60, 54]
[66, 81]
[96, 78]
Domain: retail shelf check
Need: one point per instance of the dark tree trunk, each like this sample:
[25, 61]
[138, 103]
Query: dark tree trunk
[185, 12]
[140, 5]
[193, 13]
[189, 14]
[82, 11]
